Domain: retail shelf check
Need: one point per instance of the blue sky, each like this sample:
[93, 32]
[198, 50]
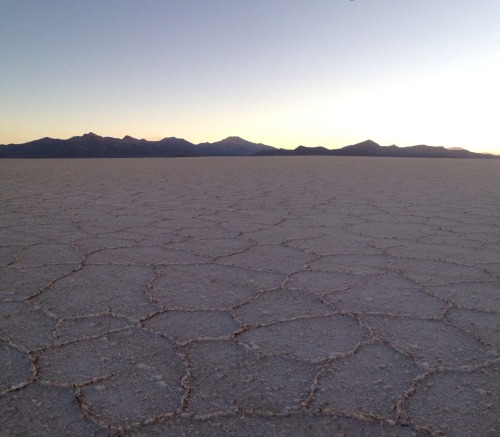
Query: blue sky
[284, 73]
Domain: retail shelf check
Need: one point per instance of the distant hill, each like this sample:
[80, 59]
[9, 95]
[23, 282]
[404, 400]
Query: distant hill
[371, 148]
[94, 146]
[232, 146]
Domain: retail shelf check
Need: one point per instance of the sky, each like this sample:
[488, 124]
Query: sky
[280, 72]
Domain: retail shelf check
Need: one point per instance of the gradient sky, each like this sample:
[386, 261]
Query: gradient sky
[280, 72]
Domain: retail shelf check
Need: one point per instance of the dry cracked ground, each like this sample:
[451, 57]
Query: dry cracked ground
[250, 296]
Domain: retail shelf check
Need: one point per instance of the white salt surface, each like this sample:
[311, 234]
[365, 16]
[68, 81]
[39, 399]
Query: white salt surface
[250, 296]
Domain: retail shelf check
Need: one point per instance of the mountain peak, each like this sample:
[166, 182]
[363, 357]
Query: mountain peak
[368, 143]
[234, 140]
[233, 146]
[366, 146]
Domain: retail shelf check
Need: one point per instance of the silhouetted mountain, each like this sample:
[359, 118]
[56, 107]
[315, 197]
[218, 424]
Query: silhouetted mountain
[94, 146]
[366, 148]
[233, 146]
[371, 148]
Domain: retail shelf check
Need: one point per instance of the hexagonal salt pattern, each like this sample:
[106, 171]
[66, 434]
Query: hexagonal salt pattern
[257, 296]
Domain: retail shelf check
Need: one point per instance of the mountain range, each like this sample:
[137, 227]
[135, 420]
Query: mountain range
[371, 148]
[91, 145]
[94, 146]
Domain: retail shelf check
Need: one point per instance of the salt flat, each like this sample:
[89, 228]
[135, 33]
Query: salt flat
[250, 296]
